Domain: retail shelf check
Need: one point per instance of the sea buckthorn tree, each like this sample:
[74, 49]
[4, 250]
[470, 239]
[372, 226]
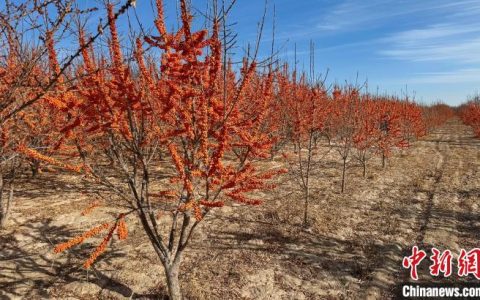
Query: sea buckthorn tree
[346, 109]
[27, 108]
[279, 119]
[175, 103]
[307, 104]
[367, 133]
[470, 114]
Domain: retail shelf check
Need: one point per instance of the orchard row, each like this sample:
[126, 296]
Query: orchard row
[470, 114]
[171, 127]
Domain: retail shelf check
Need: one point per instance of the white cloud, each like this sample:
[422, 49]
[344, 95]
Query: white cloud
[350, 15]
[433, 32]
[467, 75]
[453, 51]
[454, 43]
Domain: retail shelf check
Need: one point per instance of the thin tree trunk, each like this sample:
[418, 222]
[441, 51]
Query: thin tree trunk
[170, 266]
[8, 207]
[329, 140]
[2, 209]
[35, 167]
[343, 173]
[307, 179]
[305, 213]
[383, 160]
[364, 163]
[5, 208]
[173, 283]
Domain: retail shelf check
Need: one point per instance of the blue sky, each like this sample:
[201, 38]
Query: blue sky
[432, 47]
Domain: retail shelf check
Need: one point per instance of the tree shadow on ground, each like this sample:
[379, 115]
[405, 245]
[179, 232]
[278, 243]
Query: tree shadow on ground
[47, 184]
[310, 254]
[29, 268]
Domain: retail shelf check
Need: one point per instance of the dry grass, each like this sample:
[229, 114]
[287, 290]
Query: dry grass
[353, 249]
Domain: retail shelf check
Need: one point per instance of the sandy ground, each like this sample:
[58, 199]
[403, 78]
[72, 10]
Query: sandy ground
[428, 195]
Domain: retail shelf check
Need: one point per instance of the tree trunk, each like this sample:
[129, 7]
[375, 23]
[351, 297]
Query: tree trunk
[364, 169]
[8, 208]
[5, 208]
[3, 216]
[327, 136]
[383, 160]
[173, 283]
[170, 267]
[307, 179]
[343, 174]
[305, 213]
[35, 167]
